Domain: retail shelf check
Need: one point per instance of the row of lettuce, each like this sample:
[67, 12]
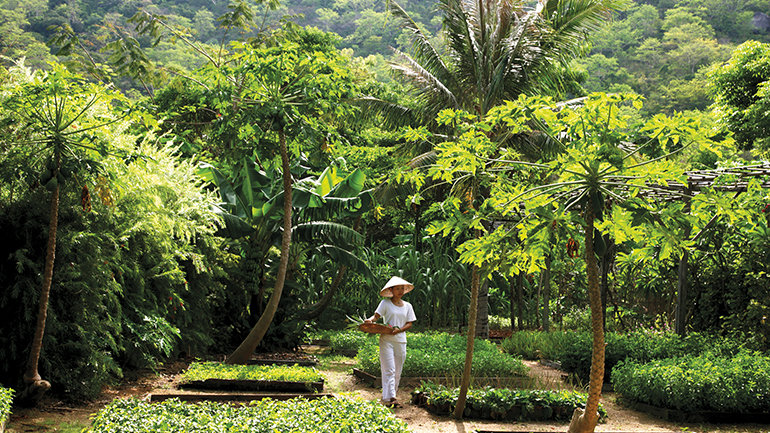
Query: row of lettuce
[693, 373]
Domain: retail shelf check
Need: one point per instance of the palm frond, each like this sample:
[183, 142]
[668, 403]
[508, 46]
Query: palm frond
[422, 79]
[393, 115]
[423, 50]
[327, 232]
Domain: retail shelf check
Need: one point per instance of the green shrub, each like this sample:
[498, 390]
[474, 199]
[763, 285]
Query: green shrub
[499, 322]
[324, 415]
[640, 346]
[736, 384]
[347, 342]
[216, 370]
[6, 397]
[503, 403]
[443, 355]
[535, 344]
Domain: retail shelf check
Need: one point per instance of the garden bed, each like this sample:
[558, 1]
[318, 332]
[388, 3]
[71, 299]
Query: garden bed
[511, 381]
[321, 415]
[230, 397]
[216, 376]
[253, 385]
[675, 415]
[284, 358]
[503, 404]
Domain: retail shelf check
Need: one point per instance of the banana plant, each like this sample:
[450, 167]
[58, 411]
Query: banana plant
[252, 203]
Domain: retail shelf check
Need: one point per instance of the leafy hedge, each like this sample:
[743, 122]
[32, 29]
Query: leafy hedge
[216, 370]
[573, 350]
[6, 397]
[736, 384]
[443, 355]
[324, 415]
[503, 404]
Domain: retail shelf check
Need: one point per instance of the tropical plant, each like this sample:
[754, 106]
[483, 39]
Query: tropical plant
[6, 398]
[591, 169]
[62, 121]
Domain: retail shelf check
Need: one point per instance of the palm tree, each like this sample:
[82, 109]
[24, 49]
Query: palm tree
[495, 50]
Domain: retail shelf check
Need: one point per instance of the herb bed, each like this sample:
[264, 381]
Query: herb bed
[6, 397]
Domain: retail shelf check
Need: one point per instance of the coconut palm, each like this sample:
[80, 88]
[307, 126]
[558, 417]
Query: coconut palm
[495, 50]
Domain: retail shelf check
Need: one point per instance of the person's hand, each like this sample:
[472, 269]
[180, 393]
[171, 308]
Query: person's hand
[368, 321]
[395, 331]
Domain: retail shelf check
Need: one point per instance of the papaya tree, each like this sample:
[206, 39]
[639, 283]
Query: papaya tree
[601, 175]
[59, 121]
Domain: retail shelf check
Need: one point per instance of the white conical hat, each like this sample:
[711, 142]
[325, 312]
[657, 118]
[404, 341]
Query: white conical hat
[395, 282]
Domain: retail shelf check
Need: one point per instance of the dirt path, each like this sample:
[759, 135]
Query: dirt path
[55, 416]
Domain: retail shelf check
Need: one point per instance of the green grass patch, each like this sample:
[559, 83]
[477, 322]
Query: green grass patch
[736, 384]
[6, 398]
[443, 355]
[503, 403]
[324, 415]
[216, 370]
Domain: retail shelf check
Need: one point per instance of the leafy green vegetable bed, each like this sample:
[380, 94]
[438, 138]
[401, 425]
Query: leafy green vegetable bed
[443, 355]
[264, 416]
[503, 404]
[199, 371]
[6, 397]
[737, 384]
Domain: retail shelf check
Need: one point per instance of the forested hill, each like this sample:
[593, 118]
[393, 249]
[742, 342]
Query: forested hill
[654, 48]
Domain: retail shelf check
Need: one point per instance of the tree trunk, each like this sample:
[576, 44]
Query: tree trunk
[316, 309]
[482, 315]
[35, 385]
[242, 354]
[585, 421]
[520, 299]
[683, 285]
[513, 300]
[604, 266]
[546, 284]
[466, 379]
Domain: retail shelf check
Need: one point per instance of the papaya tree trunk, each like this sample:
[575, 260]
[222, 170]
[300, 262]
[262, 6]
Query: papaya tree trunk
[35, 385]
[242, 354]
[466, 379]
[482, 314]
[585, 421]
[546, 284]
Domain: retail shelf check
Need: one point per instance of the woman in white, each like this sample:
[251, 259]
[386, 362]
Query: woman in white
[398, 314]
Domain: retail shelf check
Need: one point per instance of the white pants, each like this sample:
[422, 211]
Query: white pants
[392, 356]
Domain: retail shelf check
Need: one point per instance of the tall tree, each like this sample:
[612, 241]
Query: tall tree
[60, 117]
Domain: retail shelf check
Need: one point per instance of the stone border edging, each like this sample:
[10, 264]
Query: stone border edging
[676, 415]
[252, 385]
[230, 397]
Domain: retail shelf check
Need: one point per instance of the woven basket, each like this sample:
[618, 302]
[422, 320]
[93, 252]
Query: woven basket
[375, 328]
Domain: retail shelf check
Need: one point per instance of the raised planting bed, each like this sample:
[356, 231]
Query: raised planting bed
[674, 415]
[231, 397]
[214, 375]
[284, 358]
[505, 381]
[323, 415]
[503, 403]
[442, 355]
[707, 387]
[6, 397]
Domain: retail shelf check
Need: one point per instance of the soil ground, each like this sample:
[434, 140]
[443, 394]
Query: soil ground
[55, 416]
